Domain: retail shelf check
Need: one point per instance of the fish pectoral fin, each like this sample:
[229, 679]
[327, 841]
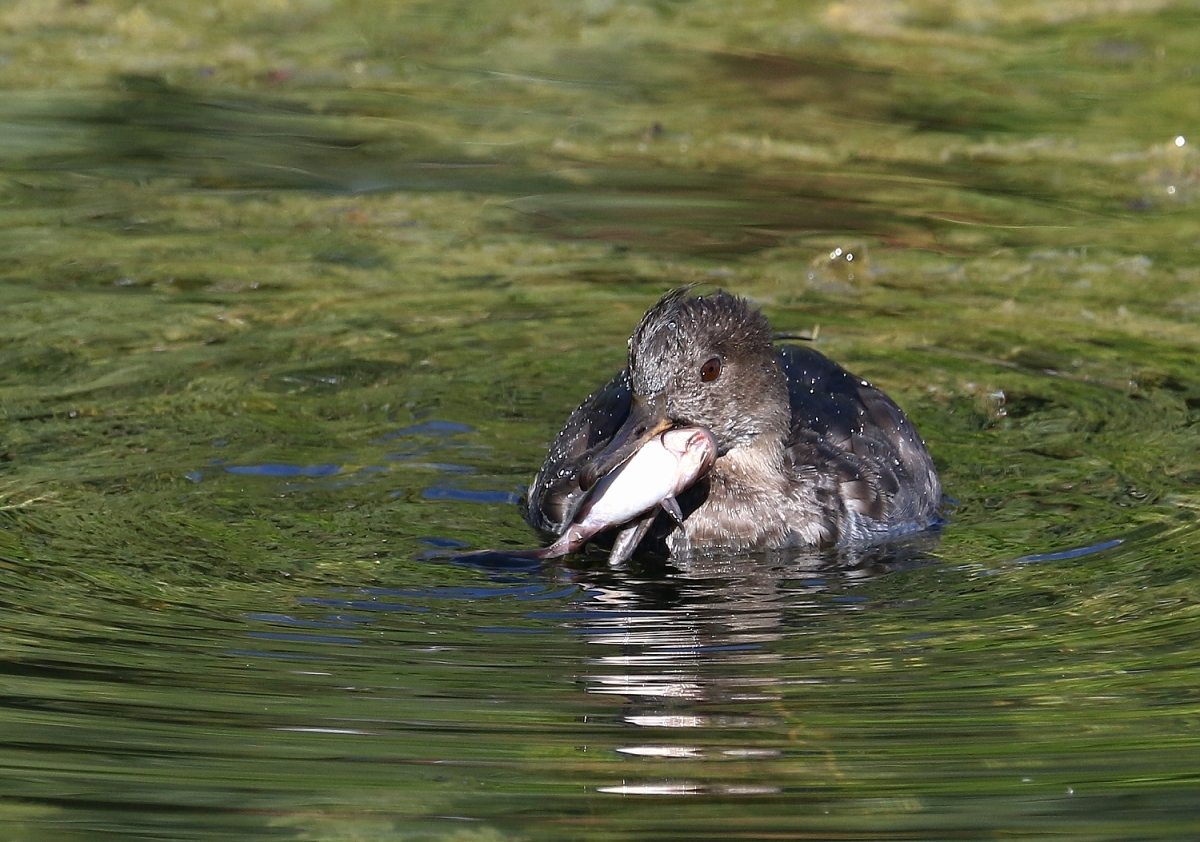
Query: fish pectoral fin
[571, 541]
[627, 541]
[671, 506]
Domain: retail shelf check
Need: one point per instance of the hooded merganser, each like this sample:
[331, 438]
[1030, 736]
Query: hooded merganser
[808, 455]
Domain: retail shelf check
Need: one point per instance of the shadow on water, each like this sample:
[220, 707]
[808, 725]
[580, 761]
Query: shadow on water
[144, 128]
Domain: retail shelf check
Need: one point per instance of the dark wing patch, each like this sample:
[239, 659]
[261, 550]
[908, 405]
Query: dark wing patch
[872, 461]
[555, 495]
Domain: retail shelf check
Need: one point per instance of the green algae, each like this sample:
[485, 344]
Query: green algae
[390, 246]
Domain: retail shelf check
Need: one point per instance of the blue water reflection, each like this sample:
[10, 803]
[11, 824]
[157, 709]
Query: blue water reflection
[469, 496]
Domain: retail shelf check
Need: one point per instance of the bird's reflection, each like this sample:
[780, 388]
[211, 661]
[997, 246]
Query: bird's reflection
[699, 629]
[692, 644]
[692, 649]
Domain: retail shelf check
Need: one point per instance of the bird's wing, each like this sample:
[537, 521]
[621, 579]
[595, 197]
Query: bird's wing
[555, 495]
[875, 463]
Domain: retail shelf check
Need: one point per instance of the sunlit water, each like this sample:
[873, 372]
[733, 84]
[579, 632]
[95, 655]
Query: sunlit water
[295, 295]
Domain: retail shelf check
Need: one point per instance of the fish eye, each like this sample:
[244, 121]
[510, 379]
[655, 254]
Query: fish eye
[711, 370]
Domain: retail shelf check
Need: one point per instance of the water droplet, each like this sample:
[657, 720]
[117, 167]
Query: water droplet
[1180, 140]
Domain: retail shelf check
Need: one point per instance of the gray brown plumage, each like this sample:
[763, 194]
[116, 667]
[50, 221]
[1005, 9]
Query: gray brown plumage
[808, 454]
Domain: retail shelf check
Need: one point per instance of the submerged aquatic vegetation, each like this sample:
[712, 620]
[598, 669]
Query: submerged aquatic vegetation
[296, 294]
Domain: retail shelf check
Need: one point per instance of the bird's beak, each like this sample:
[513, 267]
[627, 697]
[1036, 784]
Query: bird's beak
[647, 418]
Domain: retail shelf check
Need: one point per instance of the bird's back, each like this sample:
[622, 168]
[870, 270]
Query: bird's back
[874, 471]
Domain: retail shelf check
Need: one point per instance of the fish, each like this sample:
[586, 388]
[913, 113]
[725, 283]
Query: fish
[631, 494]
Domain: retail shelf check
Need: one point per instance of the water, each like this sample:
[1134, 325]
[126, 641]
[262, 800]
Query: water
[296, 294]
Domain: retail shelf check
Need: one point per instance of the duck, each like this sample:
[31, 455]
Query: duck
[808, 455]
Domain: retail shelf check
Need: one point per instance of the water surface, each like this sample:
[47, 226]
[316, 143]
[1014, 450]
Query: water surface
[296, 294]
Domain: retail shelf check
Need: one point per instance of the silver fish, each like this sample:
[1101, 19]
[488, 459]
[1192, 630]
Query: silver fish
[650, 479]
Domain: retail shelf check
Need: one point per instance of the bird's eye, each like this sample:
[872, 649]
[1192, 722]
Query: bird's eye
[711, 370]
